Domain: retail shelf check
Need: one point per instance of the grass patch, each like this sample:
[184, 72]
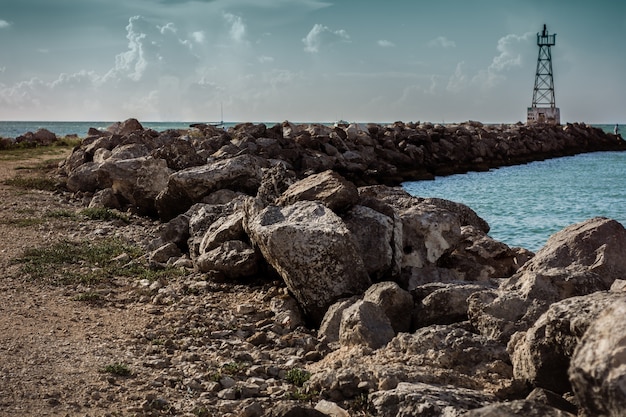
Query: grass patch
[297, 376]
[32, 183]
[22, 222]
[118, 369]
[103, 213]
[61, 214]
[67, 262]
[20, 152]
[88, 263]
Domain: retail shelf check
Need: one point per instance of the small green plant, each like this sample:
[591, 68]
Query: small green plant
[297, 376]
[233, 368]
[89, 297]
[118, 369]
[302, 395]
[103, 213]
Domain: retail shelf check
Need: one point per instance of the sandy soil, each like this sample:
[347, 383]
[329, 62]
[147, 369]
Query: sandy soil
[52, 348]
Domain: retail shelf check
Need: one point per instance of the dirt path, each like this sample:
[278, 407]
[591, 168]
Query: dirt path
[52, 348]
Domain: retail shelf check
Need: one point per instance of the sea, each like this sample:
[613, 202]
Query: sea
[523, 204]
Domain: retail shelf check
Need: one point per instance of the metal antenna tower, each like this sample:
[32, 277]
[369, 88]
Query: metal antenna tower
[543, 109]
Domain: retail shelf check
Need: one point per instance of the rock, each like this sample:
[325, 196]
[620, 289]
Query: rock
[312, 250]
[517, 408]
[331, 323]
[233, 258]
[443, 303]
[478, 257]
[84, 178]
[424, 400]
[179, 154]
[452, 347]
[499, 314]
[541, 355]
[186, 187]
[428, 233]
[105, 198]
[125, 127]
[544, 396]
[377, 237]
[293, 409]
[331, 409]
[365, 323]
[396, 303]
[330, 188]
[44, 137]
[598, 367]
[163, 254]
[176, 231]
[223, 229]
[578, 260]
[135, 181]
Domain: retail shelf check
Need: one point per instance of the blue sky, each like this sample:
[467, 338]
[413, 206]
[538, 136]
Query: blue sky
[307, 60]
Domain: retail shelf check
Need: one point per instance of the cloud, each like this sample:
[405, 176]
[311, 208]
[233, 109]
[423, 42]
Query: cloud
[321, 35]
[458, 80]
[442, 42]
[510, 55]
[265, 59]
[199, 36]
[237, 31]
[386, 44]
[4, 24]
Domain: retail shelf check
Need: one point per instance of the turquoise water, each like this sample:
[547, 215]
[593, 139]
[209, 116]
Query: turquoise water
[525, 204]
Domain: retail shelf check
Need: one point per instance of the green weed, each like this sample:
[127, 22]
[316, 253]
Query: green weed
[297, 376]
[103, 213]
[118, 369]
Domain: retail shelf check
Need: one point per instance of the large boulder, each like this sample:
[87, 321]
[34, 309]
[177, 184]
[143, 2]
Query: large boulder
[125, 127]
[396, 304]
[428, 233]
[580, 259]
[337, 193]
[443, 303]
[424, 400]
[378, 238]
[598, 367]
[517, 408]
[541, 355]
[233, 258]
[188, 186]
[312, 250]
[136, 181]
[365, 323]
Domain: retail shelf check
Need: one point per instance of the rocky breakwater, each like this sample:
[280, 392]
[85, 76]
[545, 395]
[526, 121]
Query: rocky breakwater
[417, 310]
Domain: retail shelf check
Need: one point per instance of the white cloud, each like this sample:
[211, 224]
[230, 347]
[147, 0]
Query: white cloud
[237, 31]
[321, 35]
[2, 69]
[385, 44]
[441, 41]
[265, 59]
[510, 54]
[458, 80]
[4, 24]
[199, 36]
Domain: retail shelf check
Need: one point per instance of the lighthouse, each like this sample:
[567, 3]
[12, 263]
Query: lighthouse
[543, 108]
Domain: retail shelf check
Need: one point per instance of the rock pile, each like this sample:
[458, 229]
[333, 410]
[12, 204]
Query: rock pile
[421, 313]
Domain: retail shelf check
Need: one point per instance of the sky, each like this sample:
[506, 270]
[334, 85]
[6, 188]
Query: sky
[307, 60]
